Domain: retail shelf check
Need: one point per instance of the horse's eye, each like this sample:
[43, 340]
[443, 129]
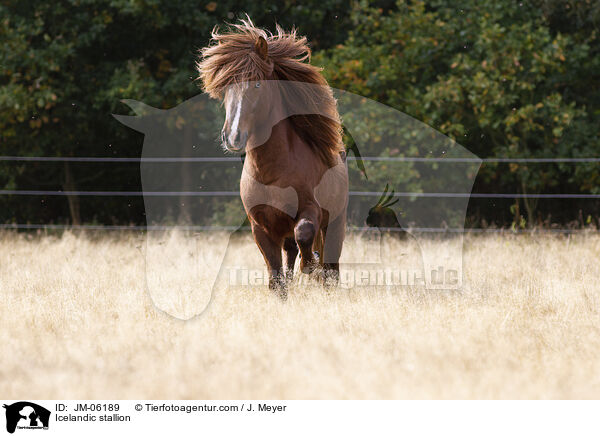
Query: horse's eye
[257, 85]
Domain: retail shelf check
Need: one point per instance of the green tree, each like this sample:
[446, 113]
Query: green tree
[65, 66]
[500, 78]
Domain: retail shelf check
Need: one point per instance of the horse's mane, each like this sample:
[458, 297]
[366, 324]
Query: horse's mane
[231, 58]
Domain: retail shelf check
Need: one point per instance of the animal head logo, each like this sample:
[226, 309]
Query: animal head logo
[26, 415]
[191, 184]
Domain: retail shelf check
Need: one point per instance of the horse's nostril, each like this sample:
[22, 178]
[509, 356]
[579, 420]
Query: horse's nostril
[235, 140]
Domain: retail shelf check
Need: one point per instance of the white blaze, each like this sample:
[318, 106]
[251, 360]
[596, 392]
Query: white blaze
[236, 122]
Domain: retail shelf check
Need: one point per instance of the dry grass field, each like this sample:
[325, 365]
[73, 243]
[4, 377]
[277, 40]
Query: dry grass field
[77, 322]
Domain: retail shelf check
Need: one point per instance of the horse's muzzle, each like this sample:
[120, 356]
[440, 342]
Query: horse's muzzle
[238, 144]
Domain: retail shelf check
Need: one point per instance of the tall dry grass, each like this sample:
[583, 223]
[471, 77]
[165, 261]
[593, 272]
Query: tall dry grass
[77, 322]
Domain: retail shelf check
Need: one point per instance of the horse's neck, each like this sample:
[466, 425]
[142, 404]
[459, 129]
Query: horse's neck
[270, 158]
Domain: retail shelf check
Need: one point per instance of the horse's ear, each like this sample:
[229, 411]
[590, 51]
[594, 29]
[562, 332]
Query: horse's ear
[262, 48]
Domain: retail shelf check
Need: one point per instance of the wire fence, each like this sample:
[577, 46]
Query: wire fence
[436, 230]
[139, 160]
[236, 193]
[350, 158]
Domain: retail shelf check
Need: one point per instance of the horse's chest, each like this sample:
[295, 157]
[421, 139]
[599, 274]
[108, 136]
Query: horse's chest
[268, 205]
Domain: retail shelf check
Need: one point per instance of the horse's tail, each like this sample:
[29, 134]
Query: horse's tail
[318, 245]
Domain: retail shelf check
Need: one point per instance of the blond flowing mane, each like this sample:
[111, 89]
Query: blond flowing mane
[231, 58]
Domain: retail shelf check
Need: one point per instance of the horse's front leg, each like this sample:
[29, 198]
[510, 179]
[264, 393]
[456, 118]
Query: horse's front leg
[305, 231]
[271, 251]
[290, 250]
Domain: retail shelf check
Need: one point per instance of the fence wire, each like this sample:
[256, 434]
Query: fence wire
[19, 226]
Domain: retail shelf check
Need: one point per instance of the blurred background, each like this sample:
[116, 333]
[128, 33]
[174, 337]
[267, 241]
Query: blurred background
[515, 83]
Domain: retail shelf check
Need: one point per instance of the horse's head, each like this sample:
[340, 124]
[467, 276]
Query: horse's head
[248, 105]
[263, 79]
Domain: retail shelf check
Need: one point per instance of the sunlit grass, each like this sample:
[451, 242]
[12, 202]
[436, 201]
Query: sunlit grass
[77, 322]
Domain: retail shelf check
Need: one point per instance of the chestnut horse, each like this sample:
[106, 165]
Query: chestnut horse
[282, 114]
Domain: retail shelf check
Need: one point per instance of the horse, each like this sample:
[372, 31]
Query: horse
[281, 113]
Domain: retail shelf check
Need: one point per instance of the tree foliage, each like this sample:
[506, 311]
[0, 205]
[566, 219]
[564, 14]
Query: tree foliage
[66, 65]
[504, 79]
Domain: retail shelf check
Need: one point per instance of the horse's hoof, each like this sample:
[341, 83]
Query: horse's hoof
[278, 287]
[309, 268]
[281, 292]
